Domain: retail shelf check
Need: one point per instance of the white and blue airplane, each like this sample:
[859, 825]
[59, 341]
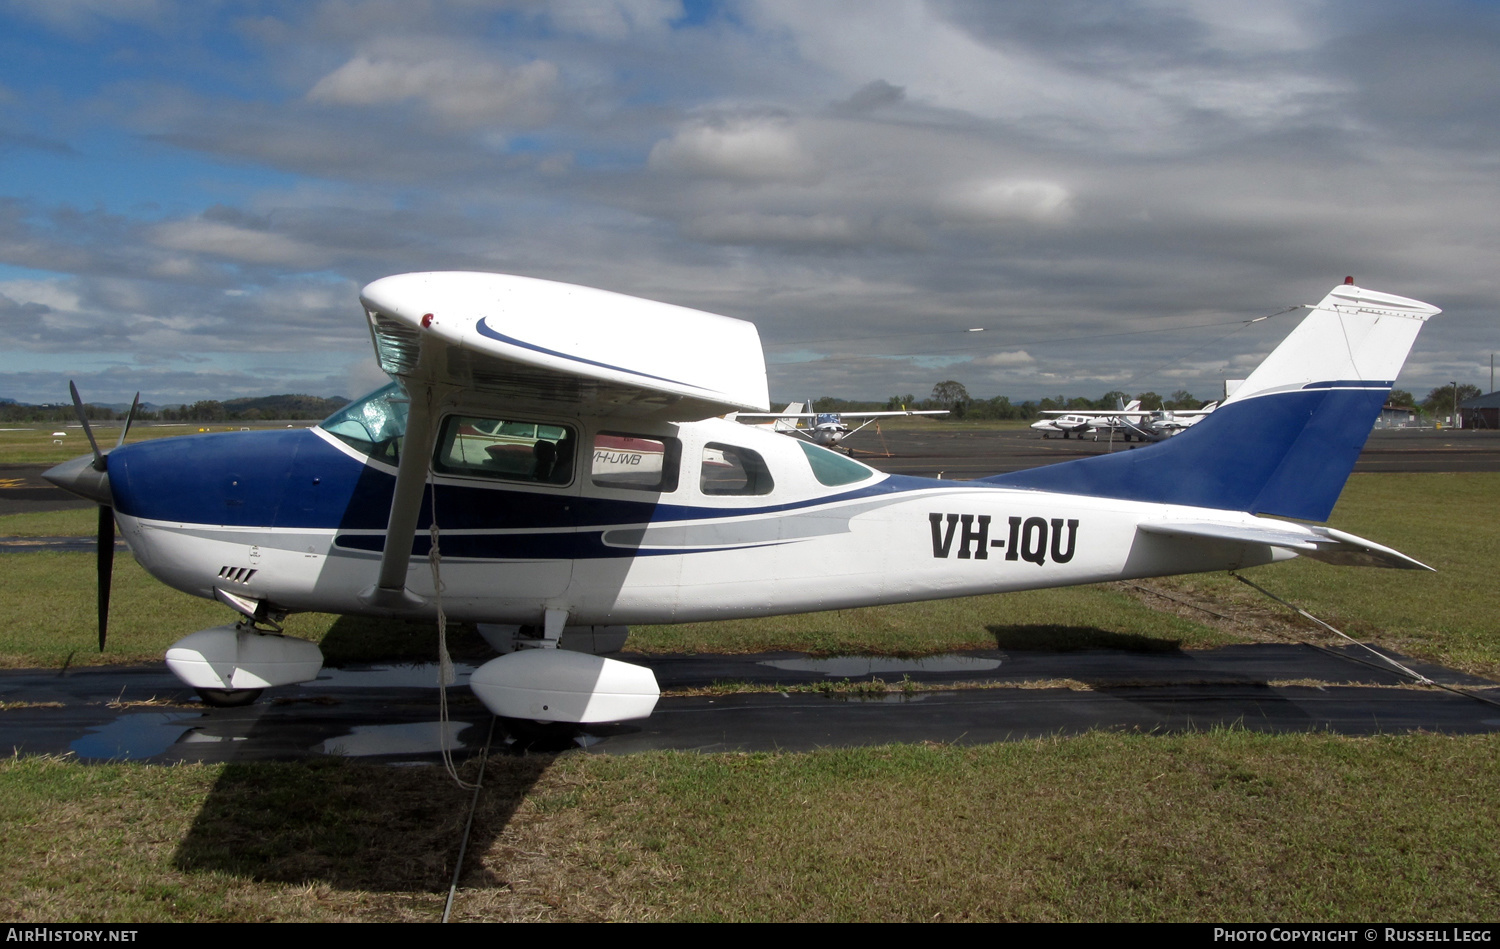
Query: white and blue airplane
[558, 447]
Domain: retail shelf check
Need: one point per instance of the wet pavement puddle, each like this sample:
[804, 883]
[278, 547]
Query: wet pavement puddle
[135, 735]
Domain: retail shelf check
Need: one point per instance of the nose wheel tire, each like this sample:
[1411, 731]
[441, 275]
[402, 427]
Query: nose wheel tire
[228, 698]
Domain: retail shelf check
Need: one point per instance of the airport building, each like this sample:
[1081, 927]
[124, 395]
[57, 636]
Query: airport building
[1482, 411]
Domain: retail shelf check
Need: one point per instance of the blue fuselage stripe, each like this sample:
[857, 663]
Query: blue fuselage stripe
[293, 479]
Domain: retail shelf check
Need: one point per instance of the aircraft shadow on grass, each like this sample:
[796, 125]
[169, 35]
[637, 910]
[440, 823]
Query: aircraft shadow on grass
[368, 825]
[1050, 637]
[352, 826]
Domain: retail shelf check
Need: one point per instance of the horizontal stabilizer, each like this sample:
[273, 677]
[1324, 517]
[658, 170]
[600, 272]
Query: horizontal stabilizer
[1319, 543]
[561, 347]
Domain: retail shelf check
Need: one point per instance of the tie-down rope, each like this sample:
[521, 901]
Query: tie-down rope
[1416, 676]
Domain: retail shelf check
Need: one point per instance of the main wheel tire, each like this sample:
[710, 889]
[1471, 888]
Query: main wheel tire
[543, 737]
[229, 698]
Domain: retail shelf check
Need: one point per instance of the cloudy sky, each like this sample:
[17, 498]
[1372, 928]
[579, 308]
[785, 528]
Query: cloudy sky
[192, 193]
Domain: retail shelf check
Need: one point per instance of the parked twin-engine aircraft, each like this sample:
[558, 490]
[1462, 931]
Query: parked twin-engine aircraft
[828, 429]
[1149, 425]
[1077, 421]
[548, 457]
[1164, 423]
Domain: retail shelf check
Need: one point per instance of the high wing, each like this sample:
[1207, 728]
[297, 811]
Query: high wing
[539, 344]
[542, 346]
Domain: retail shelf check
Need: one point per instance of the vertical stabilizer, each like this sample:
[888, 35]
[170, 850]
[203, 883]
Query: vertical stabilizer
[788, 423]
[1285, 441]
[1355, 336]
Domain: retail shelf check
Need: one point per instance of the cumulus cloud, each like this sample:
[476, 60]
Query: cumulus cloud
[1019, 357]
[457, 84]
[998, 201]
[37, 296]
[750, 228]
[614, 19]
[81, 17]
[843, 171]
[755, 150]
[234, 242]
[872, 96]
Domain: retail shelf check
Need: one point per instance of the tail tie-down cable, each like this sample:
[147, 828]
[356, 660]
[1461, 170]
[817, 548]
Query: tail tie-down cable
[1417, 677]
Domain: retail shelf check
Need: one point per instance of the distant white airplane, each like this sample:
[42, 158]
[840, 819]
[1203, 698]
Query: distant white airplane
[1077, 422]
[554, 458]
[1149, 425]
[828, 429]
[1165, 423]
[786, 422]
[1118, 422]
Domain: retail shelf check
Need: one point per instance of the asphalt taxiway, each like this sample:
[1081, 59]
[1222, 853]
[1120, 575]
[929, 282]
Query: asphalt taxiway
[390, 713]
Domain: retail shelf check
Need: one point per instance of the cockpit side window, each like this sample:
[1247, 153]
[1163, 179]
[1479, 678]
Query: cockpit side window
[374, 424]
[730, 470]
[506, 449]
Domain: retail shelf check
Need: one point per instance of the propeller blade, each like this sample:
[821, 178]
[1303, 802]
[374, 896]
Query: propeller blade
[106, 566]
[88, 431]
[135, 403]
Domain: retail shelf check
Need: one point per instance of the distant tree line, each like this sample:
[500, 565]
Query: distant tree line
[290, 407]
[949, 394]
[953, 396]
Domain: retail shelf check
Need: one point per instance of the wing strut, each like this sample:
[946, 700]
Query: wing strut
[417, 444]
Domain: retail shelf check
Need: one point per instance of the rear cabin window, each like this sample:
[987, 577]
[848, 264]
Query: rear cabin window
[729, 470]
[635, 462]
[506, 449]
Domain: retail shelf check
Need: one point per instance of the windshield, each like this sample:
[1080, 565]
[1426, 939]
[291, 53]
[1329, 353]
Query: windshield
[373, 425]
[833, 469]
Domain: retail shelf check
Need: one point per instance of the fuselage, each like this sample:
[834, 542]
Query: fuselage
[645, 523]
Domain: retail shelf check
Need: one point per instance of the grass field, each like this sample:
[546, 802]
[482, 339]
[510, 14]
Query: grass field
[1222, 826]
[37, 442]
